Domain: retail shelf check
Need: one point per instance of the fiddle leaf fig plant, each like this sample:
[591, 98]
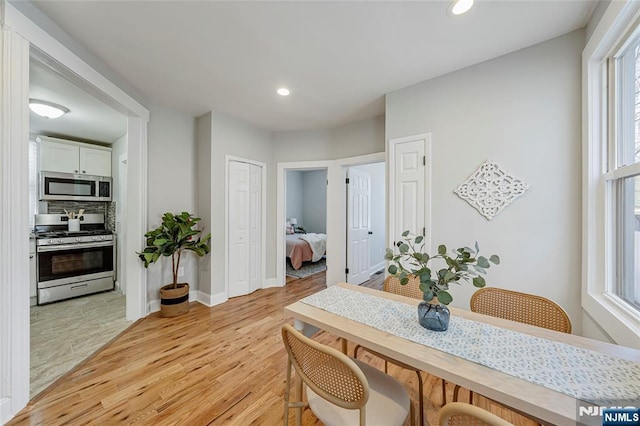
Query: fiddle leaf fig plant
[464, 264]
[175, 235]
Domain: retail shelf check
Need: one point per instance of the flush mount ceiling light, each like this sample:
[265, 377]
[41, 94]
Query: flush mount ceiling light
[458, 7]
[283, 91]
[47, 109]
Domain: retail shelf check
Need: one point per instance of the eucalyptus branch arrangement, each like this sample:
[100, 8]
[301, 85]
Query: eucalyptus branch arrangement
[465, 264]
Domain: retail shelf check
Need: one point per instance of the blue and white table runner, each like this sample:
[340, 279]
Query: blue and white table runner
[577, 372]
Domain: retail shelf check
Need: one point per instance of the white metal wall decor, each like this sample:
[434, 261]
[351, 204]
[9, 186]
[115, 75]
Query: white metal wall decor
[490, 189]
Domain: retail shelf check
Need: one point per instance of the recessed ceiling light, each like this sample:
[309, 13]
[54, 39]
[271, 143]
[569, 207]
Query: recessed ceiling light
[458, 7]
[283, 91]
[47, 109]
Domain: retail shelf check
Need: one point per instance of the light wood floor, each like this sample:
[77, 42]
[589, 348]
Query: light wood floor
[213, 366]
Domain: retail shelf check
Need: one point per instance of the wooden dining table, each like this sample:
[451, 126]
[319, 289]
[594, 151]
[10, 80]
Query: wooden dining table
[539, 402]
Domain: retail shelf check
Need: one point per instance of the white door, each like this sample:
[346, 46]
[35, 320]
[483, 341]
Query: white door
[245, 227]
[358, 225]
[409, 188]
[255, 228]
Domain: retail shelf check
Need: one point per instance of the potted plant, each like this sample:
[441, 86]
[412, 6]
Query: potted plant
[175, 235]
[465, 264]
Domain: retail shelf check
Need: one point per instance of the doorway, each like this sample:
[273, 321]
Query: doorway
[21, 38]
[306, 222]
[336, 212]
[92, 128]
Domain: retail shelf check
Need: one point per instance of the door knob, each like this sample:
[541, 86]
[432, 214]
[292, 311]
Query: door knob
[370, 233]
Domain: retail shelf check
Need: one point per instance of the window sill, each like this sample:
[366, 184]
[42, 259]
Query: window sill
[620, 322]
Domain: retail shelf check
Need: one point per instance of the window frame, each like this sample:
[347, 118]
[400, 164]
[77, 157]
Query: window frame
[612, 35]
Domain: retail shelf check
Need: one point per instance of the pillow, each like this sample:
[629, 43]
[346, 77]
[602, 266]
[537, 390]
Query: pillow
[289, 229]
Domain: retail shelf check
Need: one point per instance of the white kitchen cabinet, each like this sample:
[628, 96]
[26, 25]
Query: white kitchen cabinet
[59, 155]
[95, 161]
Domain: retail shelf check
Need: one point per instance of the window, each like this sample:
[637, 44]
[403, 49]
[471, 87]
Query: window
[611, 204]
[623, 171]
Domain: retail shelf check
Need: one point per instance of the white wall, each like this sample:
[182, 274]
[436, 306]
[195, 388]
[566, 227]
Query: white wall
[203, 194]
[295, 193]
[378, 209]
[522, 110]
[359, 138]
[172, 180]
[230, 136]
[352, 139]
[314, 201]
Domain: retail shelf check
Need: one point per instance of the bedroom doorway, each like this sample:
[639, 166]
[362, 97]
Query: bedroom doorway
[305, 222]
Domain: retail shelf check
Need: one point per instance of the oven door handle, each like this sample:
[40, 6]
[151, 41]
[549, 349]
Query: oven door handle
[74, 246]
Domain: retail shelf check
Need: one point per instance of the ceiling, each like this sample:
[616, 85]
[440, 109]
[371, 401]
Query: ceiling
[88, 118]
[338, 58]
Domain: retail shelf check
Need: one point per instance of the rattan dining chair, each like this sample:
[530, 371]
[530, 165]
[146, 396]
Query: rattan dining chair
[520, 307]
[341, 390]
[411, 289]
[461, 414]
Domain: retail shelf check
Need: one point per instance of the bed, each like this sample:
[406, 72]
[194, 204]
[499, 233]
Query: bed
[305, 248]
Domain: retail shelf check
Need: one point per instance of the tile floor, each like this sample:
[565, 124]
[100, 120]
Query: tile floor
[65, 333]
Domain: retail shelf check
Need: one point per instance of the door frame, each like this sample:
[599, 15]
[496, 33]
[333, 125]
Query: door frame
[427, 186]
[336, 202]
[263, 206]
[21, 38]
[121, 239]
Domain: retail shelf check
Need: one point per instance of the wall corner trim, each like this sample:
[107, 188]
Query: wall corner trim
[154, 305]
[272, 282]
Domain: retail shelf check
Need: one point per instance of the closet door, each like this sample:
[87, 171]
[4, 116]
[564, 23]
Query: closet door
[255, 227]
[409, 188]
[245, 228]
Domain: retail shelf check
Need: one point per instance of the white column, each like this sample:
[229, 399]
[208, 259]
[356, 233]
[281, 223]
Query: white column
[14, 223]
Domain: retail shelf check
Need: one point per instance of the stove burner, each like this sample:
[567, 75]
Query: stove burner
[57, 234]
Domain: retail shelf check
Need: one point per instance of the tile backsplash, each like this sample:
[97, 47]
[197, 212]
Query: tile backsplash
[111, 216]
[90, 207]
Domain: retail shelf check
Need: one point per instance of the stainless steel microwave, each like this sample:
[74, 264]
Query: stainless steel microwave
[69, 186]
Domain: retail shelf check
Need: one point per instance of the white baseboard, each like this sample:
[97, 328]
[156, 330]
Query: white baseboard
[272, 282]
[200, 297]
[153, 306]
[194, 296]
[218, 298]
[5, 410]
[375, 268]
[209, 300]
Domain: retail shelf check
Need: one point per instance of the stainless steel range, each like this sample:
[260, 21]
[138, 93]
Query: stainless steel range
[73, 263]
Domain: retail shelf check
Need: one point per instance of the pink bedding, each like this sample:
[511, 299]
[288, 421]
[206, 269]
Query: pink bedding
[298, 251]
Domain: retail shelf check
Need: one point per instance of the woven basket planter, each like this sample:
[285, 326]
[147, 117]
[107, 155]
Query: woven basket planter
[174, 301]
